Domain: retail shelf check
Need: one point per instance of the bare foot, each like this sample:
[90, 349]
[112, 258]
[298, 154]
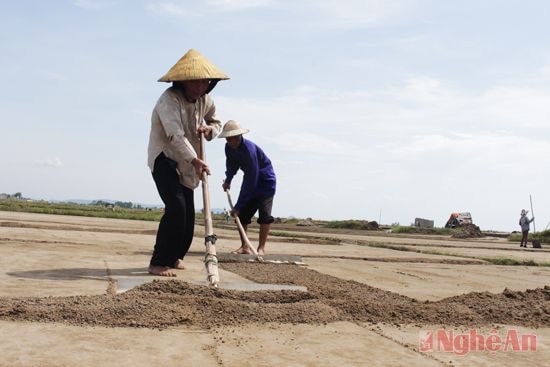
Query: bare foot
[163, 271]
[242, 251]
[261, 251]
[179, 264]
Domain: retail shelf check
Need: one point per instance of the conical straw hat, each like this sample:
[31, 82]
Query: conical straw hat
[232, 128]
[193, 66]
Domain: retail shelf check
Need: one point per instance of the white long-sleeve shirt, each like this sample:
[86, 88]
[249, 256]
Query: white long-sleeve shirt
[174, 126]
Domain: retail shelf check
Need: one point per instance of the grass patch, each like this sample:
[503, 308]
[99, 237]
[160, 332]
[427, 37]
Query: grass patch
[286, 234]
[494, 261]
[291, 221]
[351, 224]
[84, 210]
[417, 230]
[391, 247]
[514, 262]
[44, 207]
[543, 237]
[435, 252]
[295, 235]
[405, 248]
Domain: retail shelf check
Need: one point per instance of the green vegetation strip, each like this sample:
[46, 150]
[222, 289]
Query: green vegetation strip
[88, 210]
[410, 229]
[44, 207]
[495, 261]
[390, 247]
[543, 237]
[348, 224]
[504, 261]
[297, 235]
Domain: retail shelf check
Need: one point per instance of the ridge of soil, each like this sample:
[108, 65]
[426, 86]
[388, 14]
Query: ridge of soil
[161, 304]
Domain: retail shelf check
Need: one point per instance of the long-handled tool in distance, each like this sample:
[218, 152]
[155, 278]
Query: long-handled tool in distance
[242, 232]
[534, 242]
[211, 258]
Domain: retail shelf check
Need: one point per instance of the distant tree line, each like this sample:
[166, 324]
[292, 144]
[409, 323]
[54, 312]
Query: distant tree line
[107, 204]
[17, 195]
[120, 204]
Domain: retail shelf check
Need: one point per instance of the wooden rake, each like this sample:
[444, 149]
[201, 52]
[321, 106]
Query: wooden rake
[242, 232]
[211, 258]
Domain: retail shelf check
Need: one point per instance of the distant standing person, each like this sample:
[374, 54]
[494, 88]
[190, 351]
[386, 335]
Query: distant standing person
[225, 215]
[258, 185]
[524, 224]
[182, 112]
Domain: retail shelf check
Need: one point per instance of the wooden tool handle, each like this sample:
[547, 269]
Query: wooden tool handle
[532, 214]
[240, 226]
[210, 259]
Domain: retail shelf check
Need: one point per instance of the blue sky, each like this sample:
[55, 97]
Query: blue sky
[389, 109]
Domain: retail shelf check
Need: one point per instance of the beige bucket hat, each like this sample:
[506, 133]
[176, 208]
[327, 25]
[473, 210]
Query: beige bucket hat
[232, 128]
[193, 66]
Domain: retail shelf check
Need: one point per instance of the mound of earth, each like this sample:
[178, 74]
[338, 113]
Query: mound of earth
[161, 304]
[371, 226]
[467, 230]
[305, 223]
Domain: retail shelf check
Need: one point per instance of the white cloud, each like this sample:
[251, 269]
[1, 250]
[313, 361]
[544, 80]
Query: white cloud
[416, 147]
[423, 89]
[93, 4]
[305, 142]
[174, 9]
[52, 76]
[517, 106]
[49, 162]
[235, 5]
[357, 13]
[196, 8]
[485, 149]
[422, 115]
[545, 71]
[318, 13]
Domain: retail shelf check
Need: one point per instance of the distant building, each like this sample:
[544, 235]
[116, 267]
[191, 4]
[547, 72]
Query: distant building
[423, 223]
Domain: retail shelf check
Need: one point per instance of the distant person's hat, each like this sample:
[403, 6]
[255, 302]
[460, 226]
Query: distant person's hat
[524, 212]
[193, 66]
[232, 128]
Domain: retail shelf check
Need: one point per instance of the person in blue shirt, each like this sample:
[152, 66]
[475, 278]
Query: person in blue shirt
[258, 185]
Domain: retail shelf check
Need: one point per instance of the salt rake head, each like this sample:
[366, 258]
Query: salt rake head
[213, 281]
[211, 266]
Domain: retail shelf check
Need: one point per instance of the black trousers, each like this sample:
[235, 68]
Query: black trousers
[175, 231]
[524, 237]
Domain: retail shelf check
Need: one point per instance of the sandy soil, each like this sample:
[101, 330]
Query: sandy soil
[62, 285]
[172, 303]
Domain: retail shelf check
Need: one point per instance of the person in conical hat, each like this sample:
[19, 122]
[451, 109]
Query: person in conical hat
[524, 223]
[258, 185]
[183, 112]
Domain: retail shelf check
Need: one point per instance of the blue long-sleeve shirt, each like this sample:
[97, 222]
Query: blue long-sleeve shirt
[259, 177]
